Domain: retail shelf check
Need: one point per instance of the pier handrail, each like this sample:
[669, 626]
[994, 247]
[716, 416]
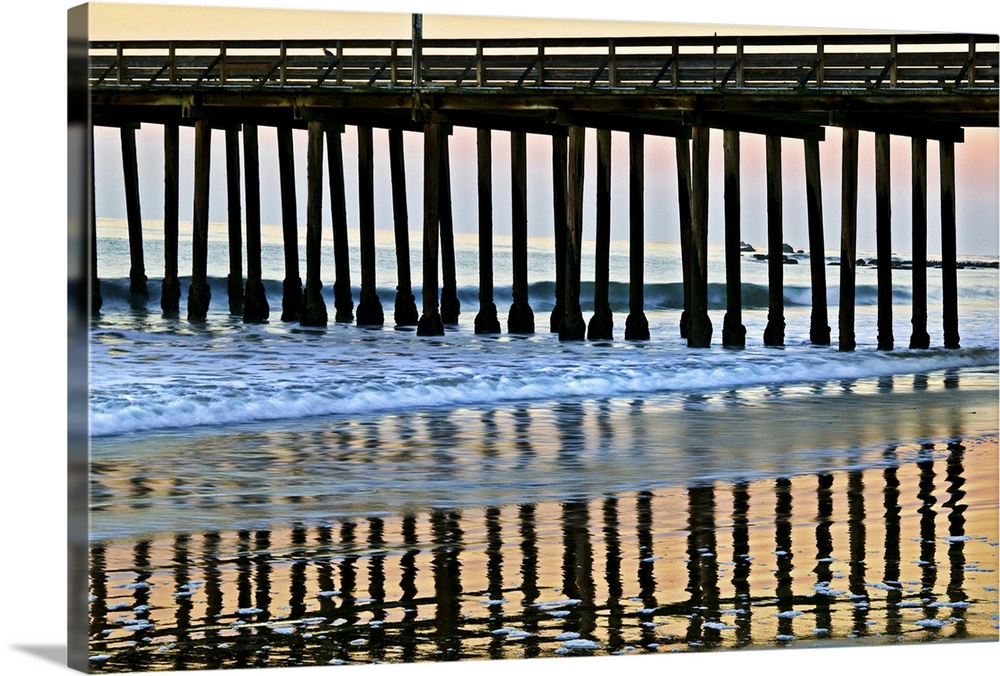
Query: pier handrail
[924, 62]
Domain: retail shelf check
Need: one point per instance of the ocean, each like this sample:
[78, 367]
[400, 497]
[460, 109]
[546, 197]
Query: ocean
[276, 495]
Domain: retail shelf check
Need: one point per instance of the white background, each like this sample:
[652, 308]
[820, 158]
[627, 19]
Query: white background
[32, 264]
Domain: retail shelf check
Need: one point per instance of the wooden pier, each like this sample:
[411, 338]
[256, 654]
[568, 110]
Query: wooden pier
[928, 87]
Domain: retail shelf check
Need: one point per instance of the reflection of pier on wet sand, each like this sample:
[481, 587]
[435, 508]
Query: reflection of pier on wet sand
[900, 547]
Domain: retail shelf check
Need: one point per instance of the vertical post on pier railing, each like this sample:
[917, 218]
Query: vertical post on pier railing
[486, 319]
[972, 61]
[369, 306]
[848, 238]
[675, 64]
[313, 306]
[120, 75]
[572, 326]
[480, 66]
[733, 332]
[340, 63]
[520, 319]
[430, 323]
[559, 210]
[700, 333]
[819, 322]
[883, 241]
[170, 291]
[820, 62]
[283, 69]
[234, 286]
[612, 64]
[774, 333]
[255, 306]
[342, 300]
[684, 218]
[540, 72]
[172, 60]
[919, 339]
[393, 63]
[450, 306]
[138, 292]
[601, 325]
[199, 293]
[223, 64]
[892, 61]
[291, 300]
[415, 49]
[636, 324]
[949, 279]
[405, 308]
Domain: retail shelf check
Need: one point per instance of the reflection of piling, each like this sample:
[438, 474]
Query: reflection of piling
[486, 319]
[734, 334]
[892, 551]
[405, 309]
[571, 325]
[200, 294]
[369, 306]
[342, 299]
[883, 241]
[449, 287]
[949, 281]
[520, 319]
[613, 573]
[234, 282]
[819, 329]
[783, 542]
[636, 324]
[601, 324]
[170, 290]
[774, 333]
[856, 531]
[313, 305]
[255, 306]
[291, 299]
[919, 339]
[848, 238]
[742, 563]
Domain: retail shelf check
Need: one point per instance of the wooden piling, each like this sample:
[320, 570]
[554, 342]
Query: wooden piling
[883, 241]
[919, 339]
[291, 298]
[774, 333]
[313, 306]
[560, 224]
[486, 320]
[369, 306]
[138, 291]
[96, 299]
[572, 326]
[342, 299]
[601, 326]
[949, 264]
[170, 290]
[255, 305]
[636, 324]
[234, 284]
[700, 330]
[819, 322]
[684, 219]
[405, 308]
[450, 306]
[733, 332]
[520, 319]
[200, 294]
[430, 323]
[848, 238]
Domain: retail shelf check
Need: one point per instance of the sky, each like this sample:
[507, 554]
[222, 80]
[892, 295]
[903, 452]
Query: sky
[976, 159]
[33, 263]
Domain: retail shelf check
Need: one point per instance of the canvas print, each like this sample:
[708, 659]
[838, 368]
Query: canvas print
[423, 338]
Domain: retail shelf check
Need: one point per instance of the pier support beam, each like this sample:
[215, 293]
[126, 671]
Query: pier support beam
[848, 238]
[883, 241]
[684, 218]
[430, 323]
[405, 308]
[949, 279]
[919, 339]
[636, 324]
[234, 284]
[255, 305]
[342, 300]
[170, 291]
[291, 298]
[734, 334]
[486, 320]
[572, 326]
[450, 306]
[313, 306]
[560, 225]
[601, 325]
[819, 322]
[774, 333]
[200, 294]
[138, 292]
[700, 331]
[520, 319]
[96, 300]
[369, 306]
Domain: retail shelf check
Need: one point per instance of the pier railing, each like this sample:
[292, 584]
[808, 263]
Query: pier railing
[866, 62]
